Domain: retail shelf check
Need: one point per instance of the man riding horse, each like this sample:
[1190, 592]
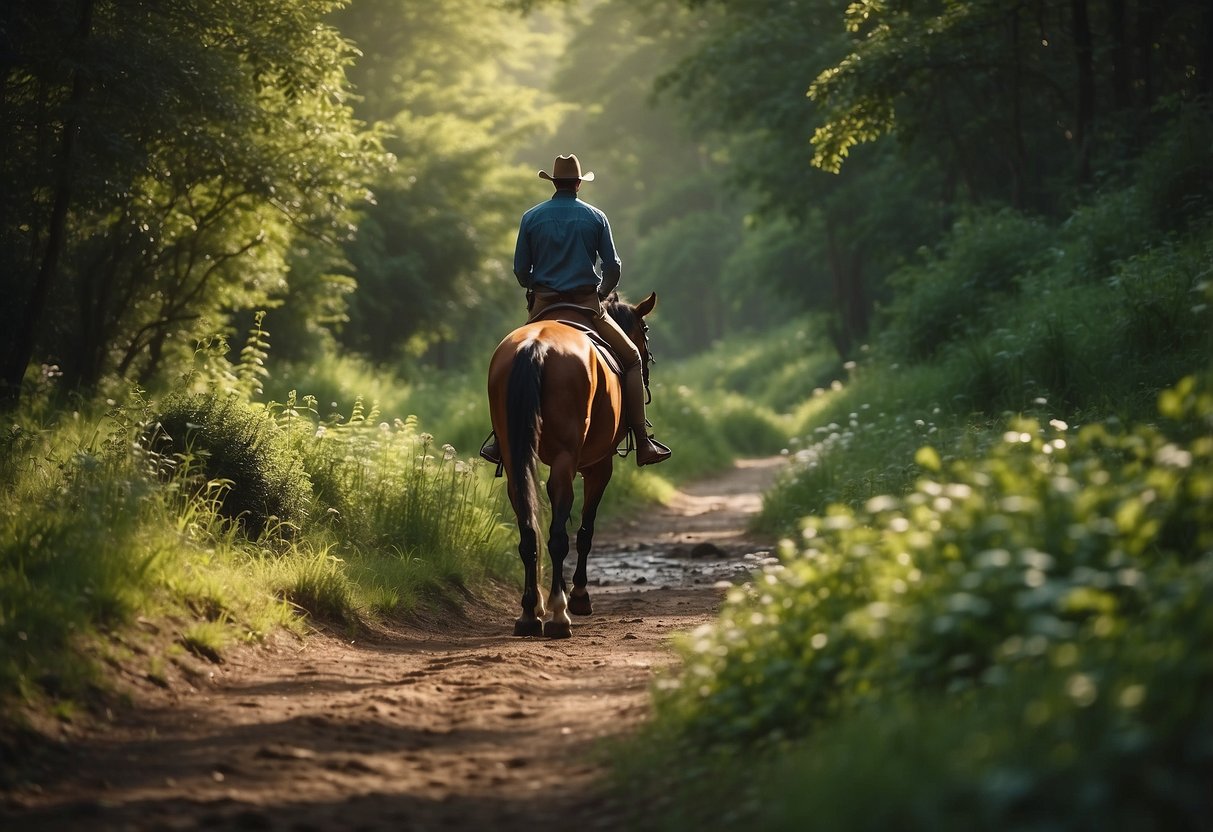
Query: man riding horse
[559, 243]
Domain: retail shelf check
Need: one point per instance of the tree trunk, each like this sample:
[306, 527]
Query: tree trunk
[21, 349]
[1204, 57]
[1085, 110]
[1019, 155]
[1122, 72]
[850, 299]
[1145, 58]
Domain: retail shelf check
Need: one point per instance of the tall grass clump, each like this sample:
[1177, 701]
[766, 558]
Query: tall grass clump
[383, 490]
[215, 519]
[1020, 639]
[225, 438]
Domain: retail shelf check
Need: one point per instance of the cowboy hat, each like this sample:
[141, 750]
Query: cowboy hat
[567, 167]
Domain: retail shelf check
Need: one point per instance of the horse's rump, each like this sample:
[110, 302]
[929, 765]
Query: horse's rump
[579, 397]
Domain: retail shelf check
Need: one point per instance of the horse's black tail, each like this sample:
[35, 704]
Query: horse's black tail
[522, 405]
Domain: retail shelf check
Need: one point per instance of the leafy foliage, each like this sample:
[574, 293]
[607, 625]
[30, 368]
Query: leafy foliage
[941, 300]
[385, 490]
[445, 84]
[1053, 583]
[162, 161]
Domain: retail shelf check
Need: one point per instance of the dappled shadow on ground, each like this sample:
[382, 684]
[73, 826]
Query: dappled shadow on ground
[370, 811]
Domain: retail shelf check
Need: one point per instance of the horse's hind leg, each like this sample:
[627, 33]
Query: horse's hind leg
[529, 623]
[595, 479]
[560, 495]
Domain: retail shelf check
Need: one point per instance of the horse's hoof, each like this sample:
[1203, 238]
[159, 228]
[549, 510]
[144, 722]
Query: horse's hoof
[558, 629]
[528, 627]
[580, 604]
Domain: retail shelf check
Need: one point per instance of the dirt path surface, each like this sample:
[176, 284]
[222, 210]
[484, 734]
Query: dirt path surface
[451, 724]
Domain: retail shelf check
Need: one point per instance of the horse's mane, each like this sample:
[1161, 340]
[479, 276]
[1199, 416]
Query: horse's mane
[622, 312]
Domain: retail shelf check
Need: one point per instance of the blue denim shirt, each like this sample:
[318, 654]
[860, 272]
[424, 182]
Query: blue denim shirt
[559, 242]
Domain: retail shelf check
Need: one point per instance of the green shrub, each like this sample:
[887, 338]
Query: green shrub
[1023, 634]
[1097, 235]
[949, 296]
[1053, 540]
[225, 439]
[1093, 346]
[1164, 296]
[685, 420]
[750, 430]
[777, 369]
[1175, 175]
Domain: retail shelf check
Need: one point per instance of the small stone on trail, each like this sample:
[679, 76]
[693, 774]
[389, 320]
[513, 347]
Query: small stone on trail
[284, 752]
[641, 580]
[627, 636]
[708, 550]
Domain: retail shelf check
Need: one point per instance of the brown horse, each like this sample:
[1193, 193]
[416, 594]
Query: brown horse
[554, 399]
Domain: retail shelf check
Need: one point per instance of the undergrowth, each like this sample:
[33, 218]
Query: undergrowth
[232, 517]
[1018, 640]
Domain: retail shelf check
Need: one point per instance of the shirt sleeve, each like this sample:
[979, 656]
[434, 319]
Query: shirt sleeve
[523, 266]
[610, 260]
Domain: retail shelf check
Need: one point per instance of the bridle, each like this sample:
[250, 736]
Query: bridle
[646, 358]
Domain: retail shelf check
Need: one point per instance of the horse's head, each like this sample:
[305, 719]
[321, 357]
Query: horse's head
[631, 320]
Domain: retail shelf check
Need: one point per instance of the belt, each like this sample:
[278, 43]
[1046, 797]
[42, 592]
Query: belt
[553, 294]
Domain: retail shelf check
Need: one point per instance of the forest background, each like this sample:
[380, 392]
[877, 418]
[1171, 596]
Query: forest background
[358, 171]
[895, 240]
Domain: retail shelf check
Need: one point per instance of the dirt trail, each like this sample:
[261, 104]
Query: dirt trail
[450, 724]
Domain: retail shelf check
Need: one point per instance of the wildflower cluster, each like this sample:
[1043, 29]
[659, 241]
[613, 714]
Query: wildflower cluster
[851, 461]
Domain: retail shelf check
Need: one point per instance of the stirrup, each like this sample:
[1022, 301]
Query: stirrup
[491, 452]
[660, 452]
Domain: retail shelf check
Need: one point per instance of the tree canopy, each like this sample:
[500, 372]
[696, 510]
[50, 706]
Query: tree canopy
[161, 161]
[359, 169]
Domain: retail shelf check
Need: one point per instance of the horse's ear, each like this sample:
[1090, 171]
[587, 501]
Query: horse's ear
[646, 306]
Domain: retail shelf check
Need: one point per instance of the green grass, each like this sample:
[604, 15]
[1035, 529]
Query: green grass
[452, 404]
[1062, 345]
[107, 524]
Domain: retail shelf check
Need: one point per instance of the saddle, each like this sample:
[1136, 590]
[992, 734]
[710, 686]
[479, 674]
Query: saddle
[600, 344]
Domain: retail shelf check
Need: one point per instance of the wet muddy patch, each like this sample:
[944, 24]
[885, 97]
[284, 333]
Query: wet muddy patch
[645, 567]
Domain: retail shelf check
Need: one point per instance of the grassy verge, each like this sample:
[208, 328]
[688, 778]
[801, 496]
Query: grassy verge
[223, 521]
[1053, 342]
